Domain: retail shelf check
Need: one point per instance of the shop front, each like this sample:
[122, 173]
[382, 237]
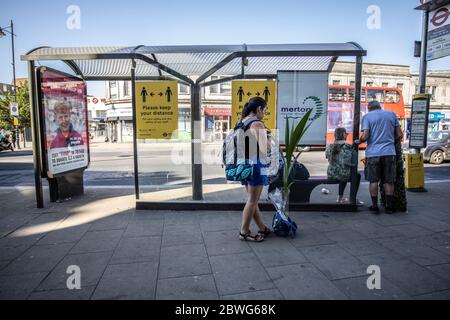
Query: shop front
[217, 122]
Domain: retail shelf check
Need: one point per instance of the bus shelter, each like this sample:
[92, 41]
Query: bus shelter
[192, 66]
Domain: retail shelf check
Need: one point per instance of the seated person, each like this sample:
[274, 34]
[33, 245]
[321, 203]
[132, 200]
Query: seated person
[340, 155]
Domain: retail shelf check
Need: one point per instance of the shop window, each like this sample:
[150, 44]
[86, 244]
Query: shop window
[336, 82]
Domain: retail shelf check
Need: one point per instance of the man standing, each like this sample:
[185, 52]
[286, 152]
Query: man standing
[380, 128]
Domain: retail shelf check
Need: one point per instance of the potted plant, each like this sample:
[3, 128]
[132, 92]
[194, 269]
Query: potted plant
[291, 141]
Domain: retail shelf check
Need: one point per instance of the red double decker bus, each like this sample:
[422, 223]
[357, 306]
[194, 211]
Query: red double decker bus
[341, 100]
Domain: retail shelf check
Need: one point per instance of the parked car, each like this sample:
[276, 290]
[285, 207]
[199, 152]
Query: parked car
[438, 147]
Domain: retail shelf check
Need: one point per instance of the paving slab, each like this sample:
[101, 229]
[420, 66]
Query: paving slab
[408, 276]
[308, 236]
[277, 251]
[98, 241]
[224, 242]
[64, 235]
[362, 247]
[92, 266]
[303, 282]
[180, 234]
[144, 228]
[128, 282]
[334, 262]
[271, 294]
[187, 288]
[113, 222]
[138, 249]
[442, 270]
[37, 259]
[63, 294]
[184, 260]
[419, 253]
[19, 286]
[356, 289]
[239, 273]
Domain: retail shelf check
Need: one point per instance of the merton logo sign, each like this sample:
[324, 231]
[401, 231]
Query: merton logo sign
[298, 93]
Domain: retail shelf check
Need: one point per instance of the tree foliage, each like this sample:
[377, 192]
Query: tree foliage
[23, 99]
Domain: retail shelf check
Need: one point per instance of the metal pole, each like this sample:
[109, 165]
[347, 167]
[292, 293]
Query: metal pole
[356, 125]
[196, 142]
[423, 53]
[135, 151]
[35, 135]
[14, 81]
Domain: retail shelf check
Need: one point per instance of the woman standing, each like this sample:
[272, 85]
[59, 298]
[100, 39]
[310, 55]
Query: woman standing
[252, 116]
[340, 155]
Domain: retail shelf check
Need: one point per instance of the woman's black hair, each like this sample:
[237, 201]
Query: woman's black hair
[252, 105]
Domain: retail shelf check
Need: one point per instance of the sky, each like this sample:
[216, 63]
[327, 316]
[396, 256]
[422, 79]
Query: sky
[196, 22]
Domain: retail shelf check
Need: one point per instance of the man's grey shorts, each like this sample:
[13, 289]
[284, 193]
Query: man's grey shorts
[381, 168]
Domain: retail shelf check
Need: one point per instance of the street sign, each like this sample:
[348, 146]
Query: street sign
[299, 92]
[156, 109]
[419, 121]
[439, 33]
[15, 121]
[243, 90]
[14, 109]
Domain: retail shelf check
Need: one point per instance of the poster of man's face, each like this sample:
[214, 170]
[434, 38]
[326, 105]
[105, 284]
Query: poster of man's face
[64, 105]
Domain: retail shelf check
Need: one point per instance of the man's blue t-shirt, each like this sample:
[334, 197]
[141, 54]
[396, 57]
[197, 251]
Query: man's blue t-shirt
[381, 125]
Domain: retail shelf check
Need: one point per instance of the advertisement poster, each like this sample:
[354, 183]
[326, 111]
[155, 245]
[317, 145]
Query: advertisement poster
[299, 92]
[156, 109]
[64, 113]
[243, 90]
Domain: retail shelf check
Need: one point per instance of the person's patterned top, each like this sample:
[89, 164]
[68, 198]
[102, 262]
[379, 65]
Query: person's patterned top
[340, 163]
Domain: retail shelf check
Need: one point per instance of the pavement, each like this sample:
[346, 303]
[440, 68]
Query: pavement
[127, 254]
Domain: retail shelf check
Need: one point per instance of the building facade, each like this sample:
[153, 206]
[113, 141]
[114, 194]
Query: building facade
[216, 100]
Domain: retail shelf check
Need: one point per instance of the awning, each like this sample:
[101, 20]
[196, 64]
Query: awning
[183, 62]
[218, 111]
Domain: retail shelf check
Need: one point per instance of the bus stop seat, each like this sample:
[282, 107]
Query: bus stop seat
[301, 189]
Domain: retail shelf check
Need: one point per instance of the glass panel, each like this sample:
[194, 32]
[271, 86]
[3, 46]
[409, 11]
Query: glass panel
[375, 95]
[337, 94]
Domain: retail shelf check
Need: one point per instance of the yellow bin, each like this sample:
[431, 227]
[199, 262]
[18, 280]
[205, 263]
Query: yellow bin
[415, 173]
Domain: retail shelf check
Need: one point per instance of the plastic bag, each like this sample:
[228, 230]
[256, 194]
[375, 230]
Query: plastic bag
[282, 224]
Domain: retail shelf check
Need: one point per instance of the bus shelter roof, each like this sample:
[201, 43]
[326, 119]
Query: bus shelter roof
[186, 62]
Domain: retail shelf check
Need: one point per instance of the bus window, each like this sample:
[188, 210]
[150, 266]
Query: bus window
[351, 95]
[337, 94]
[392, 96]
[375, 95]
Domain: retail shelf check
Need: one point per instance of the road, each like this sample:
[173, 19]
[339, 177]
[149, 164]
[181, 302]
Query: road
[160, 164]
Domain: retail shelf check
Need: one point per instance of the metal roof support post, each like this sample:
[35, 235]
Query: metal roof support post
[35, 135]
[356, 125]
[423, 53]
[196, 142]
[133, 107]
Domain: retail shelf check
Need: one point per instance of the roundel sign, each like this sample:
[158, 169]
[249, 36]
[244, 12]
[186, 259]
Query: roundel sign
[95, 100]
[14, 109]
[440, 17]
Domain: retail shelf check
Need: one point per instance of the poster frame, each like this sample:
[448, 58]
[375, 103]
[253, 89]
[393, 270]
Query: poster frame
[42, 122]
